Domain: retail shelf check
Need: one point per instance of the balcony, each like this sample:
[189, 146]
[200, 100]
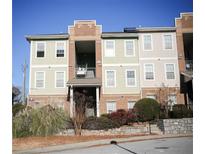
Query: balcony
[84, 72]
[189, 65]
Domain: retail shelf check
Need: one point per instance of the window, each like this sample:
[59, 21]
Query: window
[40, 53]
[147, 39]
[167, 41]
[111, 106]
[172, 99]
[130, 78]
[60, 49]
[40, 79]
[149, 72]
[170, 71]
[131, 104]
[110, 78]
[151, 96]
[129, 48]
[60, 80]
[109, 48]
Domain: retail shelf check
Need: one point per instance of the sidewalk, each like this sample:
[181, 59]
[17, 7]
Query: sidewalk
[95, 143]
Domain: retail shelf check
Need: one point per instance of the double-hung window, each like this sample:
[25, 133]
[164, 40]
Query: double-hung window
[168, 42]
[40, 52]
[60, 79]
[60, 49]
[131, 104]
[170, 71]
[151, 96]
[111, 106]
[172, 99]
[110, 78]
[149, 72]
[40, 79]
[109, 48]
[129, 48]
[147, 42]
[130, 78]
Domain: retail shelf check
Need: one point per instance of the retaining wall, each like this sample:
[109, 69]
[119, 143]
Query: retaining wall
[176, 126]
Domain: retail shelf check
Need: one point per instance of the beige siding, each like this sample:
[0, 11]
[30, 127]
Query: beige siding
[50, 54]
[159, 71]
[120, 57]
[121, 81]
[157, 46]
[49, 82]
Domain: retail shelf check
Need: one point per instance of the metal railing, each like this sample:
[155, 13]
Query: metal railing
[84, 72]
[189, 65]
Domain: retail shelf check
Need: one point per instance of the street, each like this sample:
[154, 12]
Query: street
[182, 145]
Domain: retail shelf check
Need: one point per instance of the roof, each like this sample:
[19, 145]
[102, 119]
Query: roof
[150, 29]
[85, 82]
[47, 36]
[119, 35]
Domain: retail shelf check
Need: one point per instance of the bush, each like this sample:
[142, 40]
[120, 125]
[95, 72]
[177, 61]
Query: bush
[16, 108]
[122, 117]
[39, 122]
[180, 111]
[99, 123]
[147, 109]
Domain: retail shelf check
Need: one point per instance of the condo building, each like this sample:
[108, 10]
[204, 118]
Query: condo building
[115, 68]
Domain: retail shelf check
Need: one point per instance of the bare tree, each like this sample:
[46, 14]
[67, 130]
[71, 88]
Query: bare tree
[79, 116]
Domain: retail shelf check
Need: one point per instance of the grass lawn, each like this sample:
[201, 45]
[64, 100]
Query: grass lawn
[37, 142]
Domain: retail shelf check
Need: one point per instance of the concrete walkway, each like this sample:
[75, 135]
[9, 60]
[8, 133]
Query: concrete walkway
[95, 143]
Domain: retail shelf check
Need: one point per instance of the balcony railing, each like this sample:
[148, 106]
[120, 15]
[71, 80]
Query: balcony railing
[189, 65]
[84, 72]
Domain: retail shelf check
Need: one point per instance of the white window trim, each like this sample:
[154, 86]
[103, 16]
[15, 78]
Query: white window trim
[163, 41]
[127, 78]
[44, 74]
[129, 102]
[150, 94]
[125, 49]
[165, 68]
[145, 71]
[106, 79]
[64, 44]
[63, 79]
[114, 102]
[44, 51]
[151, 42]
[105, 42]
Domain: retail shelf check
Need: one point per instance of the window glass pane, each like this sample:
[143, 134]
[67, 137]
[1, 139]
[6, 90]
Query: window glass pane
[129, 48]
[149, 72]
[131, 104]
[111, 106]
[168, 41]
[109, 45]
[110, 78]
[60, 49]
[172, 99]
[151, 96]
[40, 49]
[170, 71]
[130, 78]
[147, 42]
[60, 79]
[39, 79]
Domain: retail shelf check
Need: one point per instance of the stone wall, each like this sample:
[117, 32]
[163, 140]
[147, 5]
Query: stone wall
[176, 126]
[124, 130]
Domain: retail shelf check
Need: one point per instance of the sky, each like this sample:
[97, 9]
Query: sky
[54, 16]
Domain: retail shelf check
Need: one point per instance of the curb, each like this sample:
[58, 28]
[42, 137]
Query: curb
[90, 144]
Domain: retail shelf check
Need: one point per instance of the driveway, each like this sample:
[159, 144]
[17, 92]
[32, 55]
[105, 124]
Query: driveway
[182, 145]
